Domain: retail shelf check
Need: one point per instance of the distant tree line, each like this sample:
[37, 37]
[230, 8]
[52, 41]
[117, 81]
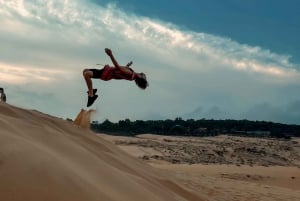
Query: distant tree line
[202, 127]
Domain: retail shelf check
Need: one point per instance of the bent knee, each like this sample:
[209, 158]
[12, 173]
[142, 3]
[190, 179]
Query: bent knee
[85, 70]
[87, 73]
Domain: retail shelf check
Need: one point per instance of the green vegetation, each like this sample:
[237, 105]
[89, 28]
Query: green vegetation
[202, 127]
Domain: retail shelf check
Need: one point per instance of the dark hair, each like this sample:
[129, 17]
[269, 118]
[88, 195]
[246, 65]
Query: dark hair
[141, 81]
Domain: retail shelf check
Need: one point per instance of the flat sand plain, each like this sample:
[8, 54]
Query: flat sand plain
[223, 167]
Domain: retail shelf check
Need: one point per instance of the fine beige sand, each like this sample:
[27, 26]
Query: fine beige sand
[237, 169]
[44, 158]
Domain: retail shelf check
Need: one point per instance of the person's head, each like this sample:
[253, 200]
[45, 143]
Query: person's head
[141, 81]
[1, 90]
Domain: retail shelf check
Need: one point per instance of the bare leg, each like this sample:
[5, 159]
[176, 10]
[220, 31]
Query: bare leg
[87, 74]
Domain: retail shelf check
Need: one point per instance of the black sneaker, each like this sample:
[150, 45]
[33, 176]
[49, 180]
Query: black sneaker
[94, 91]
[91, 100]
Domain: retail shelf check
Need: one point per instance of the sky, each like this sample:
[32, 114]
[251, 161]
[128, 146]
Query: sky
[203, 59]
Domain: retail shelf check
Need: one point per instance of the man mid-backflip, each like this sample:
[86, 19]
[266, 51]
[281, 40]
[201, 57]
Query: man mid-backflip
[112, 72]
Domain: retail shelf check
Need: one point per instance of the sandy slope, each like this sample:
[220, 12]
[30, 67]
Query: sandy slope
[46, 158]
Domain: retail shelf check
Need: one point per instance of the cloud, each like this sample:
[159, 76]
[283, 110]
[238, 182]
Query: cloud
[22, 75]
[48, 43]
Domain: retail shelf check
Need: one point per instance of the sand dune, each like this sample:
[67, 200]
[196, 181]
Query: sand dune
[47, 158]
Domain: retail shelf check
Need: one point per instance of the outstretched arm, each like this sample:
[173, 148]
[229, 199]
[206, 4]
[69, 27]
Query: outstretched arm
[123, 69]
[110, 54]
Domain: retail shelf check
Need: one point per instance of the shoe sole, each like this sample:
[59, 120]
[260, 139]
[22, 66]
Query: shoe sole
[96, 96]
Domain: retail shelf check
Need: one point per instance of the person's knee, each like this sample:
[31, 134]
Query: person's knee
[87, 73]
[85, 70]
